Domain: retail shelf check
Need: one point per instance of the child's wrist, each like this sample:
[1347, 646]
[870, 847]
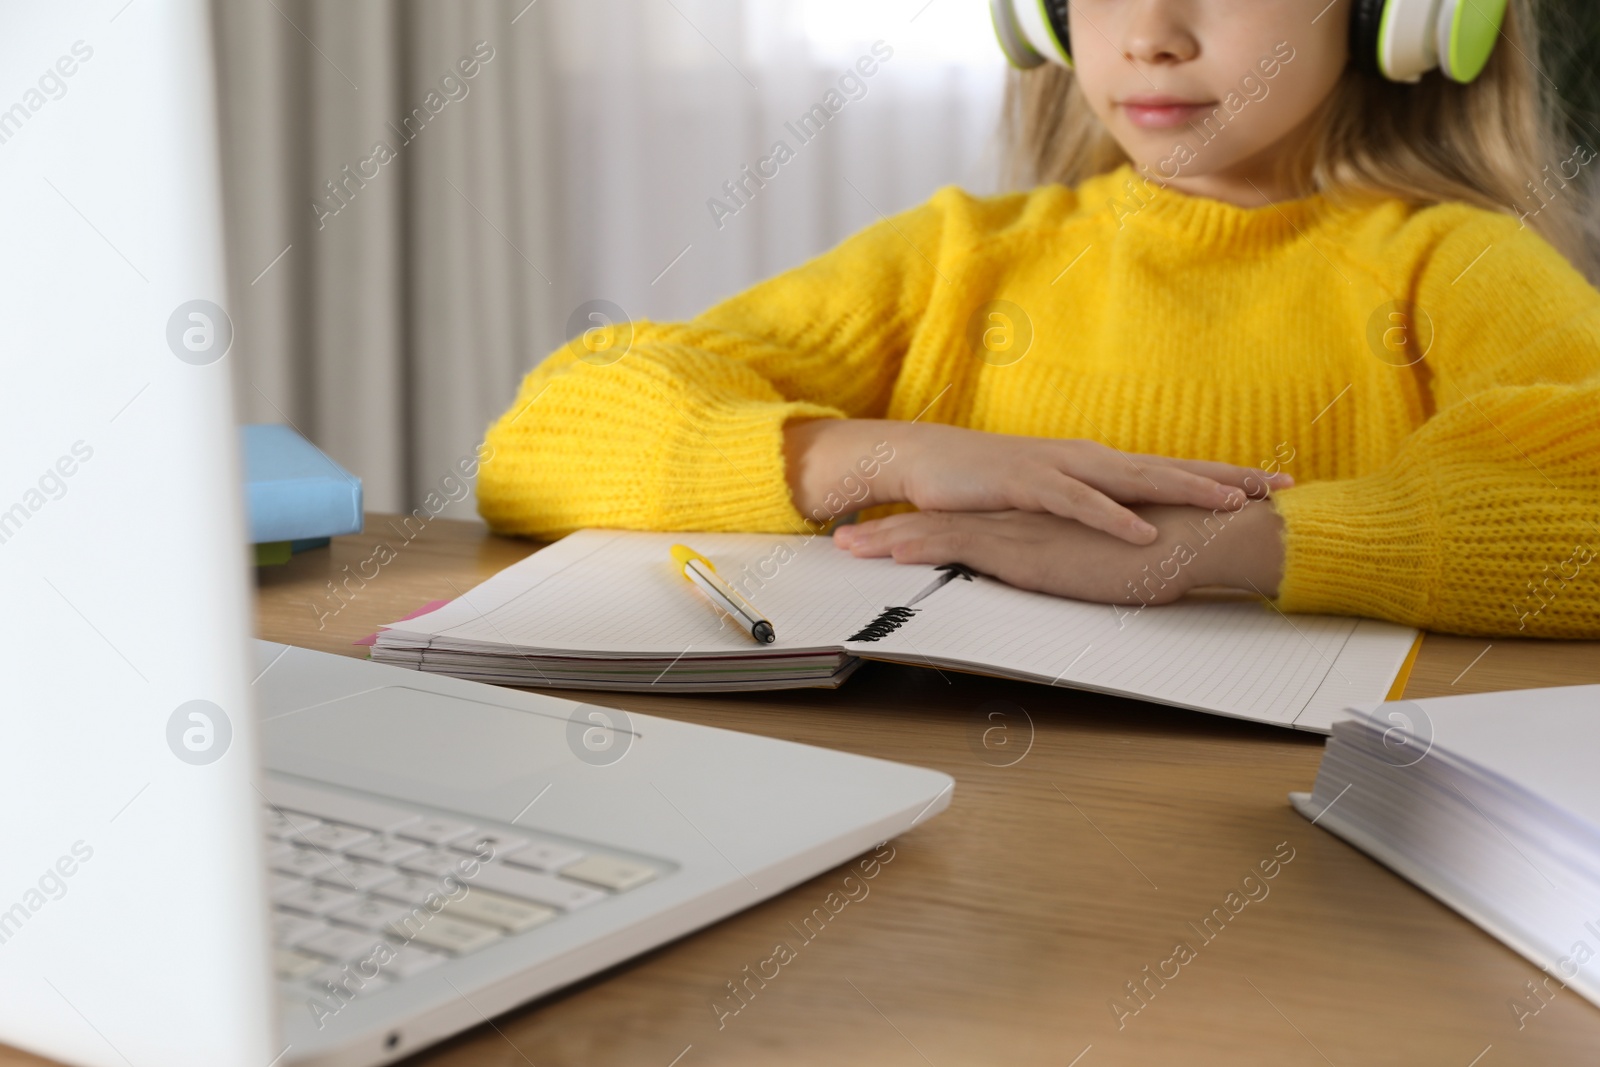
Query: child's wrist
[920, 449]
[1244, 550]
[904, 444]
[837, 466]
[1260, 563]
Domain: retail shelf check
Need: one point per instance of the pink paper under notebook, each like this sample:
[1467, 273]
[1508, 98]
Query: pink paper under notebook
[432, 605]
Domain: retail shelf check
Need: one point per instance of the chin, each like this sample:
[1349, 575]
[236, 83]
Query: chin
[1151, 146]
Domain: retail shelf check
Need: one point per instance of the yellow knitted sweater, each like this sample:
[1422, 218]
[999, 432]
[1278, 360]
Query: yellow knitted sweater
[1458, 492]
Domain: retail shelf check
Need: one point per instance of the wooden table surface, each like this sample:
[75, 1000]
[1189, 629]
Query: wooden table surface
[1072, 857]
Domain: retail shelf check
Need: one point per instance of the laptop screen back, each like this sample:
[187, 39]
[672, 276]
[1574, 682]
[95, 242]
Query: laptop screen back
[132, 913]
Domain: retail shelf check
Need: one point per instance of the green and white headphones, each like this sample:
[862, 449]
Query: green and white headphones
[1400, 39]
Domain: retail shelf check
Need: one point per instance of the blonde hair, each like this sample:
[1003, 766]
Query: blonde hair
[1435, 141]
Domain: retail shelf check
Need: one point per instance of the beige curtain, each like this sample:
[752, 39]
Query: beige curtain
[407, 240]
[386, 169]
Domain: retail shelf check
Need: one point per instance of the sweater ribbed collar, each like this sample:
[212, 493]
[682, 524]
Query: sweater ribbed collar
[1199, 220]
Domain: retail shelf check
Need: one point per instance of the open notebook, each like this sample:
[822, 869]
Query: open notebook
[608, 609]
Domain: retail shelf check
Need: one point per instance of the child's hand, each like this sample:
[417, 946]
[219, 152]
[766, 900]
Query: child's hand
[1051, 554]
[952, 469]
[947, 468]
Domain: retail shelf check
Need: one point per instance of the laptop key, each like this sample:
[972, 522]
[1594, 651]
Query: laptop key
[436, 831]
[493, 909]
[489, 843]
[305, 862]
[539, 888]
[316, 900]
[338, 943]
[614, 874]
[370, 913]
[288, 928]
[291, 965]
[453, 935]
[358, 874]
[437, 862]
[542, 857]
[385, 849]
[285, 824]
[274, 849]
[413, 889]
[280, 884]
[335, 838]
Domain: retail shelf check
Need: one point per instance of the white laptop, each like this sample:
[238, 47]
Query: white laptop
[224, 853]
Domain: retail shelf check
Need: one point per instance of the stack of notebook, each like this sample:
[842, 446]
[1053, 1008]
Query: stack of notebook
[1490, 802]
[296, 497]
[607, 609]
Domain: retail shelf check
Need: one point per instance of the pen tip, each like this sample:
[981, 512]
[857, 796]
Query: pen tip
[762, 631]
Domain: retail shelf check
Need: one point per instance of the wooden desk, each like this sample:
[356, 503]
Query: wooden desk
[1003, 928]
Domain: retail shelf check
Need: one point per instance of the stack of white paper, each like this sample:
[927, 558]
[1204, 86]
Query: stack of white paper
[1490, 802]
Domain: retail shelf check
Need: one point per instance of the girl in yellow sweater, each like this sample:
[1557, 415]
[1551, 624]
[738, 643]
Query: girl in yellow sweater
[1348, 302]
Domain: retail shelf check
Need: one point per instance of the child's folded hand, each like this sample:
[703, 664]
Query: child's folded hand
[947, 468]
[1050, 554]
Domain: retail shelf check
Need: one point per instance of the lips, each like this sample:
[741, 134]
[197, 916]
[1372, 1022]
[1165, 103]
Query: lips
[1163, 112]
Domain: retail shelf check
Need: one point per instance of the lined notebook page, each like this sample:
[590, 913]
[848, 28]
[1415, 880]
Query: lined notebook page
[1239, 658]
[1375, 651]
[610, 593]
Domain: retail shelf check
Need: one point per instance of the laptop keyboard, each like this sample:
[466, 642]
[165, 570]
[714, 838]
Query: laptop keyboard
[366, 894]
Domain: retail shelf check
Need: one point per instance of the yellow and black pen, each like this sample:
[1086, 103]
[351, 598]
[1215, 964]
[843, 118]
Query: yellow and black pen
[703, 573]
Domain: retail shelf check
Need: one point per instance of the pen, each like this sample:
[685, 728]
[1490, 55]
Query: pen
[703, 573]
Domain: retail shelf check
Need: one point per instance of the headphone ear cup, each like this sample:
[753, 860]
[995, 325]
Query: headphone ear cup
[1457, 36]
[1366, 21]
[1056, 13]
[1013, 42]
[1041, 25]
[1467, 33]
[1032, 31]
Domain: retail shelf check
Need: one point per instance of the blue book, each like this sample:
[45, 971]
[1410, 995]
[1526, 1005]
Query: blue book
[293, 492]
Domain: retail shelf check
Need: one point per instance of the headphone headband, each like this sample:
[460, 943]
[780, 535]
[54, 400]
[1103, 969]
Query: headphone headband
[1399, 39]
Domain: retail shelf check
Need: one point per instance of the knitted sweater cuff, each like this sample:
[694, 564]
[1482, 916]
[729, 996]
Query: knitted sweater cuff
[1360, 546]
[726, 471]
